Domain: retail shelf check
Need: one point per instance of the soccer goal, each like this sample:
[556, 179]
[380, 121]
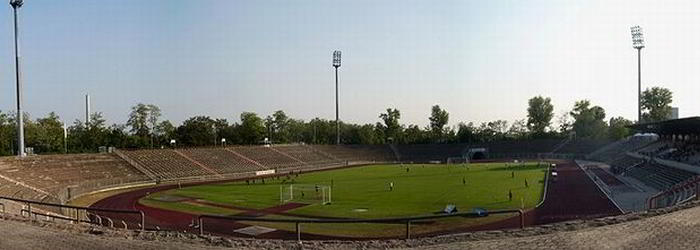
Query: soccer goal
[457, 160]
[305, 193]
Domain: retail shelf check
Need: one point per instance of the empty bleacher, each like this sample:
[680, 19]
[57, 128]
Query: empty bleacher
[359, 153]
[617, 149]
[623, 163]
[306, 154]
[268, 157]
[505, 148]
[54, 172]
[430, 152]
[582, 146]
[166, 164]
[221, 160]
[658, 176]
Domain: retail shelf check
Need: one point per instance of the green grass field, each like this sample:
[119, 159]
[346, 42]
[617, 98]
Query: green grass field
[363, 192]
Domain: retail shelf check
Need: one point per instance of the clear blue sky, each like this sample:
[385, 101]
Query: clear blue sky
[481, 60]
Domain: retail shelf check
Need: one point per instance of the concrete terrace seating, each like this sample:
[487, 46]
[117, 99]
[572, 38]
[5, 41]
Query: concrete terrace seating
[53, 173]
[624, 163]
[430, 152]
[166, 163]
[221, 160]
[659, 176]
[365, 153]
[684, 152]
[306, 154]
[517, 147]
[582, 146]
[9, 189]
[267, 157]
[617, 149]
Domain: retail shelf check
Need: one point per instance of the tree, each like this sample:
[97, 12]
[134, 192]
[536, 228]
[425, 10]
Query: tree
[7, 134]
[252, 128]
[438, 120]
[518, 130]
[82, 138]
[48, 134]
[493, 130]
[269, 127]
[276, 127]
[138, 120]
[366, 135]
[391, 127]
[358, 134]
[280, 121]
[539, 115]
[196, 131]
[297, 131]
[588, 121]
[618, 128]
[321, 131]
[153, 117]
[143, 120]
[565, 124]
[164, 132]
[413, 134]
[466, 132]
[656, 104]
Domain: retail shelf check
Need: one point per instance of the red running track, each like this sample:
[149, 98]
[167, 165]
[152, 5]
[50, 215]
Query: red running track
[572, 196]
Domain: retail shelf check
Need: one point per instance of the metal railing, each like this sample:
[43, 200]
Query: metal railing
[689, 189]
[76, 214]
[402, 220]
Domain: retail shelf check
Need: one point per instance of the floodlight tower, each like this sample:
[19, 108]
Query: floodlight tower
[638, 43]
[336, 65]
[16, 4]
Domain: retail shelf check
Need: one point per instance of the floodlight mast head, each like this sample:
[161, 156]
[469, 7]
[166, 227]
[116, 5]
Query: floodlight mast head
[336, 58]
[16, 3]
[637, 37]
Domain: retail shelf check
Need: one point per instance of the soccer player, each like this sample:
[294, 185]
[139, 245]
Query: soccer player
[510, 195]
[391, 186]
[464, 181]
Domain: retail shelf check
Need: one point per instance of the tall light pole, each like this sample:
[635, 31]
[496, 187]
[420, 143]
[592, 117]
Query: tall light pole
[16, 4]
[336, 65]
[638, 43]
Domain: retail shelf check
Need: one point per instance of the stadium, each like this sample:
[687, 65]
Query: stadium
[532, 179]
[258, 191]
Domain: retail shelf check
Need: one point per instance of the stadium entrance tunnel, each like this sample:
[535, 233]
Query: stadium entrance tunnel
[478, 156]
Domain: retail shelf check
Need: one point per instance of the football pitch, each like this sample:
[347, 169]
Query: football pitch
[366, 192]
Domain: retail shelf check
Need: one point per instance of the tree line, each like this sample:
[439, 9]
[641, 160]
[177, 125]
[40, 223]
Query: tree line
[145, 128]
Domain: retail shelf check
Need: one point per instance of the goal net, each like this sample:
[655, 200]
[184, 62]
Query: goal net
[457, 160]
[305, 193]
